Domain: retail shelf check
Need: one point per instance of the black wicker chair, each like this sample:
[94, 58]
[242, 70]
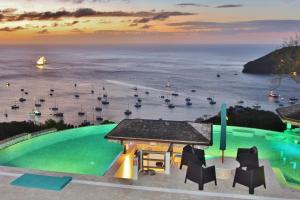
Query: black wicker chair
[198, 174]
[249, 173]
[247, 157]
[251, 178]
[192, 154]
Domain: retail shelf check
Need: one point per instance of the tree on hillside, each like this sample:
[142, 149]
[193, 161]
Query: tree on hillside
[292, 41]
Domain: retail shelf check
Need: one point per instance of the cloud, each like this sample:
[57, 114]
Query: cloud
[244, 26]
[146, 27]
[76, 30]
[87, 12]
[55, 24]
[44, 31]
[229, 6]
[71, 23]
[159, 16]
[72, 1]
[191, 4]
[8, 11]
[91, 1]
[9, 29]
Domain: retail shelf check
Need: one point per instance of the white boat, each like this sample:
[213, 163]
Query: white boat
[273, 94]
[41, 62]
[256, 106]
[35, 112]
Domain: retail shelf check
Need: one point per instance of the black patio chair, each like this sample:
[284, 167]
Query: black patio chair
[251, 178]
[192, 154]
[247, 157]
[198, 174]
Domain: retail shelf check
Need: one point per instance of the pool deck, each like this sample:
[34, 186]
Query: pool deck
[160, 186]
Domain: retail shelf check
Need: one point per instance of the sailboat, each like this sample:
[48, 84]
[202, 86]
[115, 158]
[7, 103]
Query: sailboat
[55, 107]
[41, 62]
[81, 112]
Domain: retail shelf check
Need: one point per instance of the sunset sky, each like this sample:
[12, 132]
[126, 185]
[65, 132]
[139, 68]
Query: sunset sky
[147, 21]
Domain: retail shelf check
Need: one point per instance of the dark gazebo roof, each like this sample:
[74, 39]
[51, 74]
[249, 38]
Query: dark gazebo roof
[290, 114]
[177, 132]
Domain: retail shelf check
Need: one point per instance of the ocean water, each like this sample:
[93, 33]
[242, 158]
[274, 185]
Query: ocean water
[147, 67]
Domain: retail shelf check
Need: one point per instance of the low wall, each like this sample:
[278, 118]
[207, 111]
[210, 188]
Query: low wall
[24, 136]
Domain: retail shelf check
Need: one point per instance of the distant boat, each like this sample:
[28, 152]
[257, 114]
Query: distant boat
[59, 114]
[218, 75]
[139, 100]
[162, 96]
[127, 112]
[175, 94]
[167, 100]
[85, 123]
[35, 112]
[22, 99]
[81, 113]
[136, 95]
[171, 106]
[147, 92]
[188, 103]
[135, 88]
[187, 99]
[293, 99]
[99, 118]
[55, 107]
[292, 102]
[273, 94]
[76, 96]
[137, 105]
[42, 100]
[193, 91]
[105, 101]
[168, 85]
[41, 62]
[256, 106]
[98, 109]
[15, 107]
[240, 102]
[37, 105]
[212, 102]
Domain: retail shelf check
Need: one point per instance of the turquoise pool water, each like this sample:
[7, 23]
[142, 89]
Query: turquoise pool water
[81, 151]
[281, 149]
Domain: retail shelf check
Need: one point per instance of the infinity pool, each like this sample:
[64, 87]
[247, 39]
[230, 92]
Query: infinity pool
[80, 150]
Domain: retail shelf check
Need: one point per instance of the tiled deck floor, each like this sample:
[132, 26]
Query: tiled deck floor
[160, 186]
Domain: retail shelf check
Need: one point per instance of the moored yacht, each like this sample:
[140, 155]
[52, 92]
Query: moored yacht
[41, 62]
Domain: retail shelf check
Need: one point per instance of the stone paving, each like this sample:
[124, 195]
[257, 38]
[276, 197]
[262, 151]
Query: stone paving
[159, 186]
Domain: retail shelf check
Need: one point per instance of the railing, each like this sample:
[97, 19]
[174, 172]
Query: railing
[24, 136]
